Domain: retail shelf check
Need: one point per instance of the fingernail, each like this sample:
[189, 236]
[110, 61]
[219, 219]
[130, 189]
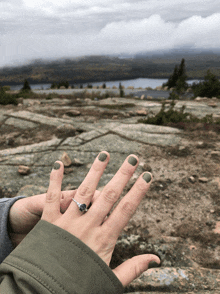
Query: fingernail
[153, 264]
[132, 160]
[102, 156]
[56, 166]
[147, 177]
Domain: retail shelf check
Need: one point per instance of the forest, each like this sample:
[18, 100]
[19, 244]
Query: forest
[108, 68]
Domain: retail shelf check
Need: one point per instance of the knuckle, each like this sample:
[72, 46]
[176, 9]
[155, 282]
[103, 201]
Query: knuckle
[126, 171]
[128, 209]
[85, 190]
[50, 197]
[141, 187]
[110, 196]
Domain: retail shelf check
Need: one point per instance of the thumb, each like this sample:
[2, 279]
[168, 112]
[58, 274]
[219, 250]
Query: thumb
[134, 267]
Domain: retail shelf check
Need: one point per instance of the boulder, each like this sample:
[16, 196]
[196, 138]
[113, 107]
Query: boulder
[212, 104]
[141, 112]
[159, 88]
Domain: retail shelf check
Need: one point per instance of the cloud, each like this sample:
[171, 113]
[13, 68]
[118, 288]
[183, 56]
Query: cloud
[154, 33]
[45, 28]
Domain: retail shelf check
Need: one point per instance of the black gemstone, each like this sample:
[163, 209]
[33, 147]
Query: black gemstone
[82, 207]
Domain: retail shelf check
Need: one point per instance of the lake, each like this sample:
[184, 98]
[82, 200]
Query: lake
[136, 83]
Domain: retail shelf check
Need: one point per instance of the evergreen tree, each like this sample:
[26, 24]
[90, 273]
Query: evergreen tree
[178, 78]
[173, 78]
[181, 84]
[26, 86]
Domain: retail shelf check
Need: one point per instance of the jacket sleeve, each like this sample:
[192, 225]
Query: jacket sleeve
[5, 243]
[51, 260]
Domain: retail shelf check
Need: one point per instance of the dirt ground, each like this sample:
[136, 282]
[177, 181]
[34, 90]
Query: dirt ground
[183, 204]
[184, 199]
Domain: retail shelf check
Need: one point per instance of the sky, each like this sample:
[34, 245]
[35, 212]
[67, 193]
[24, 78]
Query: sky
[53, 29]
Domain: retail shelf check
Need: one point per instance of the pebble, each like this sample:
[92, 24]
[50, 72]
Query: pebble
[66, 159]
[77, 162]
[192, 179]
[73, 113]
[215, 154]
[203, 180]
[23, 170]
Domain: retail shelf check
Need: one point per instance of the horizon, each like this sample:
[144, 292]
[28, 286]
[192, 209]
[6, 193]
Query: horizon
[174, 53]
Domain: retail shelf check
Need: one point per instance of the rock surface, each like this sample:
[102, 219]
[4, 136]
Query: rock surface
[178, 219]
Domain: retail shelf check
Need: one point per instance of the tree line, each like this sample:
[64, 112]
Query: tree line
[209, 87]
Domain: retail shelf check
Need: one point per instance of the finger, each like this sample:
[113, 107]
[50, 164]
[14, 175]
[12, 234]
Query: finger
[127, 206]
[134, 267]
[52, 204]
[113, 190]
[86, 190]
[66, 199]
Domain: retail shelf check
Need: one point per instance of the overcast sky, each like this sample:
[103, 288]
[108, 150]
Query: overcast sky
[31, 29]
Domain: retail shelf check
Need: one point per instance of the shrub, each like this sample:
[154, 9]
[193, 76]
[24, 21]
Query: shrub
[121, 90]
[210, 87]
[7, 98]
[170, 116]
[6, 88]
[63, 84]
[173, 96]
[54, 85]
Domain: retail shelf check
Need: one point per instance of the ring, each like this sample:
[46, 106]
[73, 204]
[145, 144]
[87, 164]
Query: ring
[82, 207]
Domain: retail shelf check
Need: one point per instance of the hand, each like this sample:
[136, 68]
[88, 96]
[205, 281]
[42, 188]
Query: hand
[95, 228]
[25, 213]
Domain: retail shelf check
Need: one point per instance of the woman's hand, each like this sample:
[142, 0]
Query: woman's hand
[95, 228]
[25, 213]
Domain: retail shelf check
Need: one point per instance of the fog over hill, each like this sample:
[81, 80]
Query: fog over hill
[109, 68]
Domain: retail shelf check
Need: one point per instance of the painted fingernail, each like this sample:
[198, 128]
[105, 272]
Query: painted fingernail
[147, 177]
[153, 264]
[132, 160]
[56, 166]
[102, 157]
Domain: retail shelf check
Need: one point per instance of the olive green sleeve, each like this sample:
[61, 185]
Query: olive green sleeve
[51, 260]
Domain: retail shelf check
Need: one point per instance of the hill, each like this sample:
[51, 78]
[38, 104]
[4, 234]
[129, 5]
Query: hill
[108, 68]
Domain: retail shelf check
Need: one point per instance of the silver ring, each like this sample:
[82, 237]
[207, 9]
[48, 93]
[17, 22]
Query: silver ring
[82, 207]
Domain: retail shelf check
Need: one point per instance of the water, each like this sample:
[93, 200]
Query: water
[136, 83]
